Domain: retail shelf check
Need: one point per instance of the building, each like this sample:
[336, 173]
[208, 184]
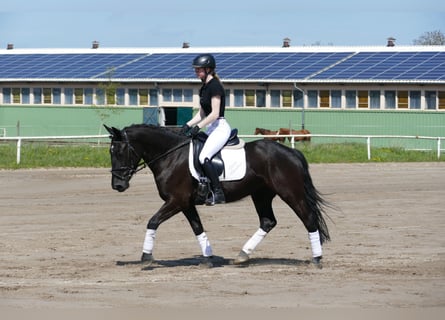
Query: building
[353, 90]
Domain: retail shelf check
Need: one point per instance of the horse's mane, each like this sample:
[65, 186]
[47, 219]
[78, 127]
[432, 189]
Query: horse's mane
[167, 132]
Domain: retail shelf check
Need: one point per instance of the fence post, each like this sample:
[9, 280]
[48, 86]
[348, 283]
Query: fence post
[19, 146]
[368, 142]
[438, 148]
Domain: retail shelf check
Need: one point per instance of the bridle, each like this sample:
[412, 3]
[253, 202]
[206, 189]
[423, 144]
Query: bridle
[126, 172]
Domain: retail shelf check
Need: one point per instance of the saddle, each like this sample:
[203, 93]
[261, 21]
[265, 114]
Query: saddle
[217, 160]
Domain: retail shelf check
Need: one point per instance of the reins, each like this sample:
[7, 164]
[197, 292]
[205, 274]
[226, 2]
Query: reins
[169, 151]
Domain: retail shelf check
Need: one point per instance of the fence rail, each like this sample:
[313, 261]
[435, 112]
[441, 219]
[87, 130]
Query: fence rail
[367, 138]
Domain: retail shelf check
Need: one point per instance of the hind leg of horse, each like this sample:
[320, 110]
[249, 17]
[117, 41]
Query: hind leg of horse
[310, 221]
[263, 205]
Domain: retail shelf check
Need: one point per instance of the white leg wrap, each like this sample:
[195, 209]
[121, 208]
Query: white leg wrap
[149, 241]
[205, 245]
[252, 243]
[314, 238]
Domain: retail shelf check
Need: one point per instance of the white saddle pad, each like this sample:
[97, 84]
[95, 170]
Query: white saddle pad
[234, 163]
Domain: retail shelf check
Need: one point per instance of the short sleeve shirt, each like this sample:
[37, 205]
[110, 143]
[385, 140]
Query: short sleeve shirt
[209, 90]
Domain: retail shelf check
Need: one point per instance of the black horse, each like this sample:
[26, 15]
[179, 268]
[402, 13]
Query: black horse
[271, 169]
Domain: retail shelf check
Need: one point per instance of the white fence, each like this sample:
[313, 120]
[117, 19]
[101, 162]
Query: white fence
[367, 138]
[20, 139]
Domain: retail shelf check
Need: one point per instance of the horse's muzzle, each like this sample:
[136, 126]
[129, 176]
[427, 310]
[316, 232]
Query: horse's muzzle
[119, 184]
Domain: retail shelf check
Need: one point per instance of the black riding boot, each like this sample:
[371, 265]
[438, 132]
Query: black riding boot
[216, 194]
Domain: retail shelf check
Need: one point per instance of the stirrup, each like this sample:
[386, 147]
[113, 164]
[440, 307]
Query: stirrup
[215, 198]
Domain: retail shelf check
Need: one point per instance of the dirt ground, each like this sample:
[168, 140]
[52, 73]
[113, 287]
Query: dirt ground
[67, 240]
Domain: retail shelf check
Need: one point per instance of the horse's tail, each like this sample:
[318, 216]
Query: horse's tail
[314, 200]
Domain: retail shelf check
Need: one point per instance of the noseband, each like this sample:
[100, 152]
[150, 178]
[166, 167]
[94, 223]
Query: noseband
[126, 172]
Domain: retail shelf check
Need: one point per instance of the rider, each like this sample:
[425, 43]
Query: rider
[210, 115]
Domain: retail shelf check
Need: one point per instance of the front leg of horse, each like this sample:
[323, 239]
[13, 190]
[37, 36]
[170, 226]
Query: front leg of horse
[167, 210]
[206, 249]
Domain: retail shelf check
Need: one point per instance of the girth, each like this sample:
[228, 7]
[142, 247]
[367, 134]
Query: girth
[217, 161]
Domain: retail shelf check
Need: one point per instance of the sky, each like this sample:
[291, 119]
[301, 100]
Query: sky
[170, 23]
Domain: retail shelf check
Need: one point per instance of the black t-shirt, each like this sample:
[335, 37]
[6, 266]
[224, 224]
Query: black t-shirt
[209, 90]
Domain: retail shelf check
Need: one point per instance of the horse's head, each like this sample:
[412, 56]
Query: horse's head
[124, 159]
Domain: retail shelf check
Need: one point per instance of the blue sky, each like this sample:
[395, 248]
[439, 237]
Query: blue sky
[169, 23]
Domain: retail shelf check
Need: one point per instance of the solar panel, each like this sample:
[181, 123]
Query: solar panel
[308, 65]
[387, 66]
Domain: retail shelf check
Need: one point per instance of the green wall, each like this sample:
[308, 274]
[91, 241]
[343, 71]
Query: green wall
[42, 121]
[66, 121]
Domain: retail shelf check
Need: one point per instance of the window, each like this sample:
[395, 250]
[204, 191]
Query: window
[120, 96]
[414, 99]
[88, 96]
[324, 98]
[261, 98]
[351, 99]
[430, 100]
[188, 95]
[15, 95]
[239, 97]
[154, 101]
[287, 98]
[362, 99]
[374, 99]
[37, 92]
[402, 99]
[78, 95]
[57, 96]
[167, 95]
[7, 95]
[177, 95]
[26, 96]
[390, 99]
[69, 93]
[227, 93]
[133, 97]
[47, 95]
[275, 98]
[143, 97]
[312, 98]
[298, 99]
[100, 97]
[336, 99]
[110, 96]
[250, 98]
[441, 96]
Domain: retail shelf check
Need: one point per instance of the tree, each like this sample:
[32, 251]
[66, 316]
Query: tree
[430, 38]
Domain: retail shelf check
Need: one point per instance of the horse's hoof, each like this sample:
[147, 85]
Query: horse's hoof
[206, 262]
[147, 259]
[316, 261]
[242, 258]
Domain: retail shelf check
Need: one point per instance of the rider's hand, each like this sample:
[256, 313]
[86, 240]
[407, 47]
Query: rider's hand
[194, 131]
[185, 129]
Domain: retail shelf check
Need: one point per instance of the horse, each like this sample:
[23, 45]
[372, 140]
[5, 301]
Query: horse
[267, 132]
[271, 169]
[287, 131]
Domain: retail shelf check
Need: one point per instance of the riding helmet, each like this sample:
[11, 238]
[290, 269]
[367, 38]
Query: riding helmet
[204, 61]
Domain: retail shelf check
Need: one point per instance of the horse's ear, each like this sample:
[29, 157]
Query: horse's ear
[114, 132]
[110, 131]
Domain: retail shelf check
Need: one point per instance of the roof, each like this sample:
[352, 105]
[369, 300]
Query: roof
[413, 64]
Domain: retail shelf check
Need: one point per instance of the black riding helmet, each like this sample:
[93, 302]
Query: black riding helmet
[204, 61]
